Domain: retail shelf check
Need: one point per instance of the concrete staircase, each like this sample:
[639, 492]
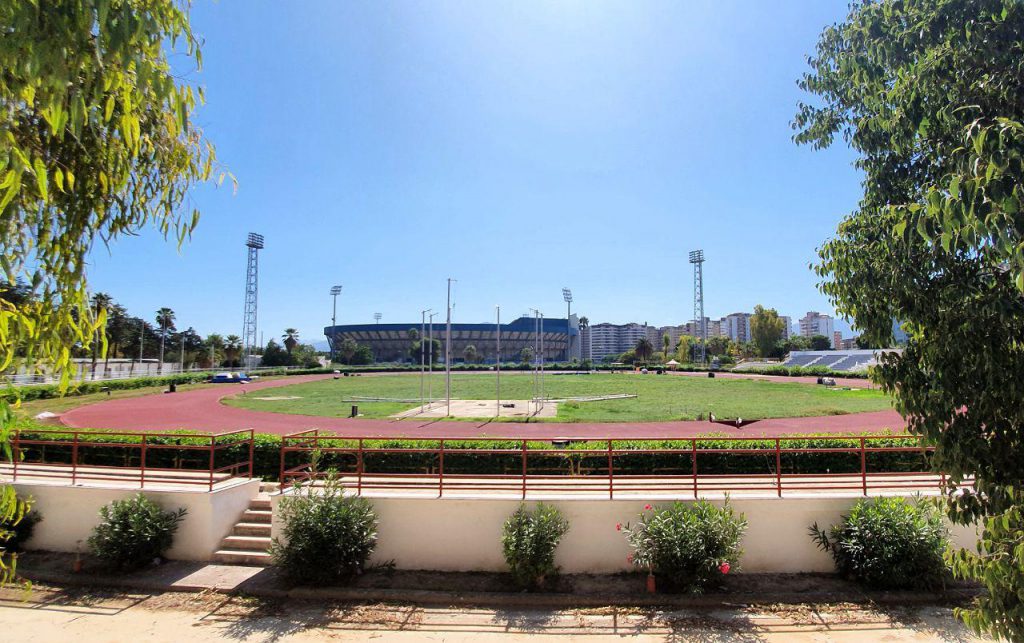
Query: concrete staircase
[250, 539]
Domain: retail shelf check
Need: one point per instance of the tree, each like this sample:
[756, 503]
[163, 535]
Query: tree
[98, 142]
[820, 343]
[233, 350]
[470, 354]
[101, 302]
[683, 348]
[213, 345]
[766, 329]
[429, 356]
[164, 319]
[666, 342]
[526, 355]
[718, 345]
[274, 355]
[928, 94]
[347, 349]
[291, 338]
[643, 349]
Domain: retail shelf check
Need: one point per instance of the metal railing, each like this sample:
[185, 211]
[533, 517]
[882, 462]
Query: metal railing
[597, 466]
[69, 455]
[87, 375]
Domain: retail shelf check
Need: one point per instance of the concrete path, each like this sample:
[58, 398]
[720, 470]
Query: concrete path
[202, 410]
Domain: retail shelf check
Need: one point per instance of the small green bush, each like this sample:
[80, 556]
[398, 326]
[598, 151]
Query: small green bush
[328, 537]
[889, 543]
[529, 539]
[133, 533]
[687, 546]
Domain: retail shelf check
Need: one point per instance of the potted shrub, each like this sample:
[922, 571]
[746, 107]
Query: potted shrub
[889, 543]
[528, 541]
[687, 546]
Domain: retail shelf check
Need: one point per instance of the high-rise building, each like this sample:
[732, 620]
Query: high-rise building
[814, 323]
[612, 339]
[787, 326]
[736, 326]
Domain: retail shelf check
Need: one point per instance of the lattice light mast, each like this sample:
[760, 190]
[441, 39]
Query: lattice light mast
[567, 296]
[377, 317]
[255, 243]
[335, 291]
[697, 259]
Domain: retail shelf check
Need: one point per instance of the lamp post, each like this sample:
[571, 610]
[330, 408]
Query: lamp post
[430, 359]
[567, 296]
[335, 291]
[497, 359]
[448, 354]
[423, 350]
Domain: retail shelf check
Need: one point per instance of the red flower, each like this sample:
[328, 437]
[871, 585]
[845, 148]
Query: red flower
[724, 568]
[647, 507]
[618, 526]
[629, 559]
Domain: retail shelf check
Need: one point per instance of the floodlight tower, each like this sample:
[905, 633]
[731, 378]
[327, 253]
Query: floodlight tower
[335, 291]
[697, 259]
[377, 316]
[567, 296]
[255, 243]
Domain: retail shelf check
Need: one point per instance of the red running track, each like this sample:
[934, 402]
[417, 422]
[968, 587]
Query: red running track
[202, 410]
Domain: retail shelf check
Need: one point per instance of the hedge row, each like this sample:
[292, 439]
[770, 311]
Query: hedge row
[49, 391]
[585, 458]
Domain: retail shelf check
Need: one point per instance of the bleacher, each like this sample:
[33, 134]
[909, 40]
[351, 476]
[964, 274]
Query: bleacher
[849, 360]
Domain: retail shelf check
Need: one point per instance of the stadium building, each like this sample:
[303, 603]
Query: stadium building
[393, 342]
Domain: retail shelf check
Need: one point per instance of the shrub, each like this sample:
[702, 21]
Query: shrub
[888, 543]
[18, 534]
[529, 539]
[328, 537]
[688, 546]
[134, 532]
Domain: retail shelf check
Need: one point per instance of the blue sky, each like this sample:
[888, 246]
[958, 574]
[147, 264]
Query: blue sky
[518, 147]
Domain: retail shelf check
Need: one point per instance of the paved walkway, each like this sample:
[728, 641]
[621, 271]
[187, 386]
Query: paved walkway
[202, 410]
[181, 601]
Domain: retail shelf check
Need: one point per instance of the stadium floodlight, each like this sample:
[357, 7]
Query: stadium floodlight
[377, 316]
[697, 259]
[567, 296]
[255, 241]
[335, 291]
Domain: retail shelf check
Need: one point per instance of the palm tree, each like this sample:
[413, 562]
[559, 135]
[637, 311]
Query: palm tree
[101, 302]
[665, 341]
[164, 317]
[232, 346]
[291, 339]
[214, 343]
[470, 354]
[644, 349]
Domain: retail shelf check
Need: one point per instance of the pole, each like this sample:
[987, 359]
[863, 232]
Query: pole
[448, 354]
[423, 349]
[497, 359]
[542, 360]
[334, 323]
[142, 339]
[163, 339]
[568, 328]
[181, 369]
[430, 359]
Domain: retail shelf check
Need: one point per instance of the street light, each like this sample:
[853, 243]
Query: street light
[567, 296]
[335, 291]
[423, 350]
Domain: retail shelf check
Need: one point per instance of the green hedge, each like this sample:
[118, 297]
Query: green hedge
[586, 458]
[49, 391]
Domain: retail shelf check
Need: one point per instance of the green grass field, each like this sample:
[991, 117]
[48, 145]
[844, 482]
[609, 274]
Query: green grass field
[660, 397]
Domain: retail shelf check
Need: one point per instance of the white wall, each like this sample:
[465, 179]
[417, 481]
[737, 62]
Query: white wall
[70, 513]
[465, 535]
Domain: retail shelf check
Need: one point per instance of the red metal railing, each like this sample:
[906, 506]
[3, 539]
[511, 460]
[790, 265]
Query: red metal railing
[65, 454]
[607, 479]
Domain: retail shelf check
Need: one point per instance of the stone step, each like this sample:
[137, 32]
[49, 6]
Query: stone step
[257, 515]
[248, 543]
[241, 557]
[252, 529]
[262, 504]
